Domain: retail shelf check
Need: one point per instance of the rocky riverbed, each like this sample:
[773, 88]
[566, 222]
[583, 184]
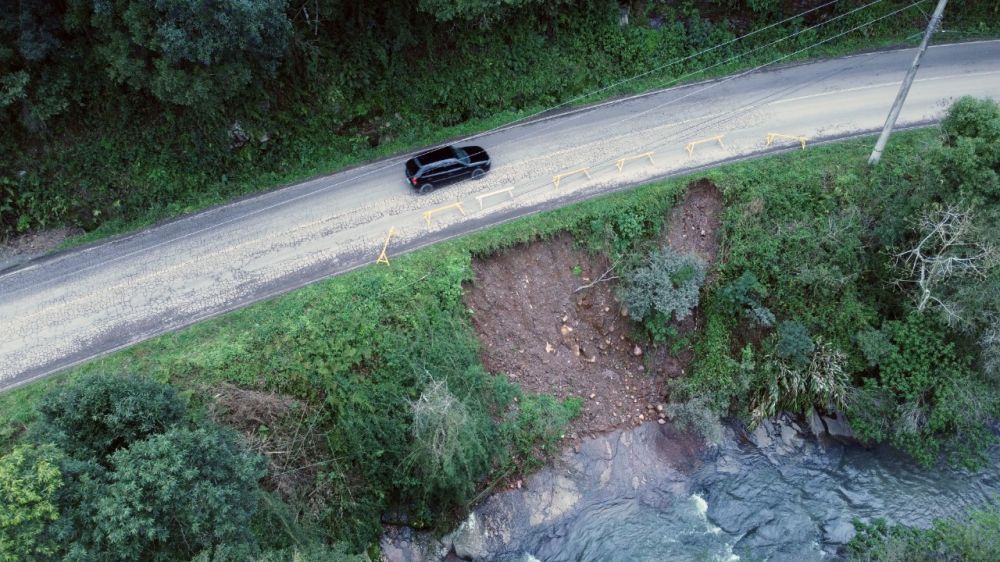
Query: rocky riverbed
[787, 491]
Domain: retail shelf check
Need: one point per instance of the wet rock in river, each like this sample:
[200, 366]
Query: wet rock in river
[840, 531]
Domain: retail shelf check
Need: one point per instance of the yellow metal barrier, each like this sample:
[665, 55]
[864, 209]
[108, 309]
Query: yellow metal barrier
[456, 205]
[621, 161]
[690, 146]
[771, 136]
[558, 177]
[507, 190]
[382, 258]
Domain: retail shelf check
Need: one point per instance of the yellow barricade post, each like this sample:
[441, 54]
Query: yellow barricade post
[771, 136]
[382, 258]
[558, 177]
[690, 146]
[456, 205]
[621, 161]
[507, 190]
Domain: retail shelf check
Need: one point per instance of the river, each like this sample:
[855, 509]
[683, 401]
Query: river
[644, 494]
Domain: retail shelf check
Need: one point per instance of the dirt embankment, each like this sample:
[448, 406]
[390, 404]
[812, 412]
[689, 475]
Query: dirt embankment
[547, 336]
[29, 246]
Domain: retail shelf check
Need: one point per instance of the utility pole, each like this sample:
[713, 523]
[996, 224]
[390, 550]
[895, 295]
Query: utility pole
[904, 89]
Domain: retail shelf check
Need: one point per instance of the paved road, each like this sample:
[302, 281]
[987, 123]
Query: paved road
[73, 306]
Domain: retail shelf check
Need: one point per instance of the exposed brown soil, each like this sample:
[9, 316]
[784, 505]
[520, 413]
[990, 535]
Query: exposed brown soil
[24, 247]
[693, 225]
[548, 338]
[693, 228]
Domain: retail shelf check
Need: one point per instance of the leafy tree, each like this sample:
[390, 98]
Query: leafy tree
[92, 417]
[926, 399]
[969, 178]
[175, 495]
[29, 482]
[969, 159]
[191, 53]
[668, 284]
[42, 55]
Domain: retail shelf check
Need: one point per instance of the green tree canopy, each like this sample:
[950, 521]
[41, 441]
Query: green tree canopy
[445, 10]
[42, 55]
[970, 156]
[29, 482]
[926, 399]
[175, 495]
[93, 417]
[189, 52]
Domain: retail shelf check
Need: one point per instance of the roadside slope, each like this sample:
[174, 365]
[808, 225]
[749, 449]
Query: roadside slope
[80, 304]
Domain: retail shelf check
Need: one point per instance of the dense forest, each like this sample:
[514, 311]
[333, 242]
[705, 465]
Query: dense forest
[119, 112]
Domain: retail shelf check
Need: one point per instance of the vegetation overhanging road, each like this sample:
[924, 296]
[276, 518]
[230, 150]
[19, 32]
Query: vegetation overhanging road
[76, 305]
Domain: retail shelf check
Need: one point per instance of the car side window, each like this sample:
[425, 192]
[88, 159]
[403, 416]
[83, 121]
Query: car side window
[443, 172]
[432, 171]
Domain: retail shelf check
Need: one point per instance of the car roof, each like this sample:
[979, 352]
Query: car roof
[436, 155]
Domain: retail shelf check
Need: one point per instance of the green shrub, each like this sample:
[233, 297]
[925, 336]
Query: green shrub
[721, 380]
[449, 448]
[539, 425]
[974, 536]
[744, 296]
[667, 284]
[30, 480]
[969, 157]
[698, 414]
[795, 345]
[823, 383]
[874, 345]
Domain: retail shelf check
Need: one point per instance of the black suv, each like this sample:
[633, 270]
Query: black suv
[444, 165]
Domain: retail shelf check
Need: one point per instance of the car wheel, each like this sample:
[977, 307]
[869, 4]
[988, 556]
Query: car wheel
[478, 173]
[426, 188]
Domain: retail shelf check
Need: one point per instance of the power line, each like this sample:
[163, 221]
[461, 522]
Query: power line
[651, 71]
[741, 55]
[731, 114]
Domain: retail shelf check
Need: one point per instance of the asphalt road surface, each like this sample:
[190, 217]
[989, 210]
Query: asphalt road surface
[69, 307]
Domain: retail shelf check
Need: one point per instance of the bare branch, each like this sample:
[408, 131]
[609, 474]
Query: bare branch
[948, 248]
[604, 277]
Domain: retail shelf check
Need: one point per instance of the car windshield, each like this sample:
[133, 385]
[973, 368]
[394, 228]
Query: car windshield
[462, 156]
